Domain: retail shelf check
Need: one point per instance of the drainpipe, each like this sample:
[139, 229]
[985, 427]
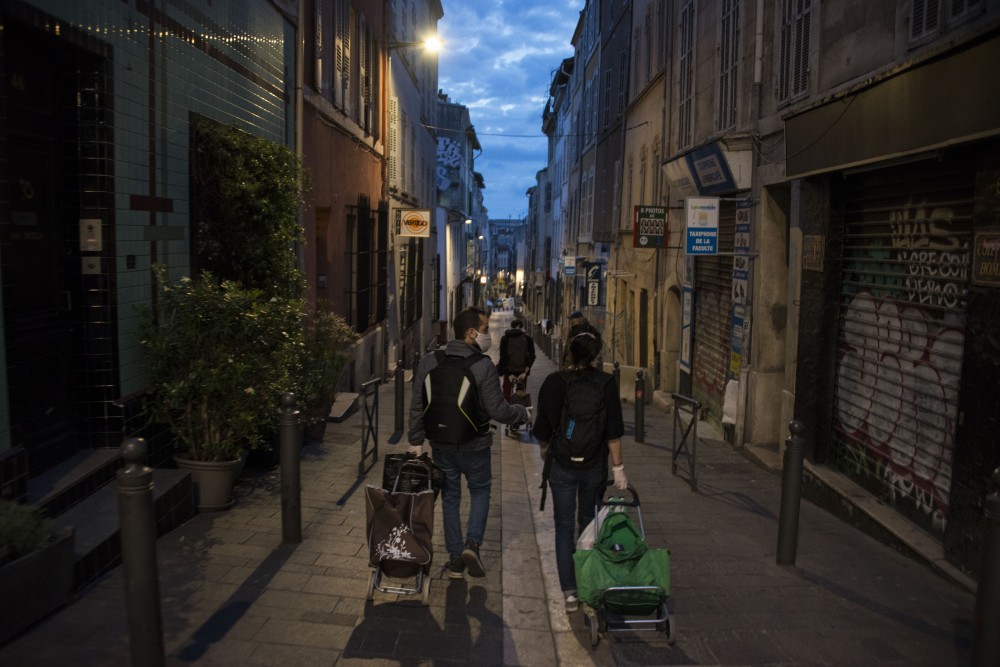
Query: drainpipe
[755, 102]
[299, 80]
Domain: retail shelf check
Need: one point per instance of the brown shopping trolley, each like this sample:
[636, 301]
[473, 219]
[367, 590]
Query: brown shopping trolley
[400, 526]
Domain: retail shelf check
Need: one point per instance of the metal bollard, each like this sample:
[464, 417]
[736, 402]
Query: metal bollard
[791, 494]
[617, 372]
[399, 396]
[985, 639]
[138, 543]
[640, 407]
[291, 485]
[416, 362]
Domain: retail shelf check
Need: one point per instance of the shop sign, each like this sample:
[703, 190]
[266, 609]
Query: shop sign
[986, 258]
[413, 222]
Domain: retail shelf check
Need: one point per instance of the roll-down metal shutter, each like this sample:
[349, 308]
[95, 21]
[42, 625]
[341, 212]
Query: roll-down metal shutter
[905, 277]
[713, 310]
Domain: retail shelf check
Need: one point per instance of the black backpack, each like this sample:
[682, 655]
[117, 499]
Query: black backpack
[580, 442]
[517, 354]
[453, 413]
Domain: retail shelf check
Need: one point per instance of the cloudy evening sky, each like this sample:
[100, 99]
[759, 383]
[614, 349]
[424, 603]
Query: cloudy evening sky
[498, 60]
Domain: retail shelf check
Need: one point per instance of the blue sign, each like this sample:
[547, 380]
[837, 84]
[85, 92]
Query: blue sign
[702, 218]
[710, 170]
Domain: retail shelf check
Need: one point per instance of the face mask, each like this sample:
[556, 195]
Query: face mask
[484, 341]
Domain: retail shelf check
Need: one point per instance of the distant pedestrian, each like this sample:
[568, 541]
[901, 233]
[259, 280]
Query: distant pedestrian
[579, 421]
[455, 396]
[517, 356]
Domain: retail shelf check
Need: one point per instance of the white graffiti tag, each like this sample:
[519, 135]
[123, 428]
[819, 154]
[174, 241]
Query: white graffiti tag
[897, 393]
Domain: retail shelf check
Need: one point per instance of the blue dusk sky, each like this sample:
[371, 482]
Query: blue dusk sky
[497, 60]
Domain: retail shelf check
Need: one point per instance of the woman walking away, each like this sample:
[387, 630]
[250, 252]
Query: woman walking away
[580, 423]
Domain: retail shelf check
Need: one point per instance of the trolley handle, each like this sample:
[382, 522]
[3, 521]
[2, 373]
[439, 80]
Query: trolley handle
[601, 501]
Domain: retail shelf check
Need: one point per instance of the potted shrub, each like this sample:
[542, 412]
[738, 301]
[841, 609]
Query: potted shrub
[218, 356]
[36, 567]
[325, 351]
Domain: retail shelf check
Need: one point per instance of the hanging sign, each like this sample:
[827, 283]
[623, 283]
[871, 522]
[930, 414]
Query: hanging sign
[702, 217]
[413, 222]
[593, 273]
[650, 226]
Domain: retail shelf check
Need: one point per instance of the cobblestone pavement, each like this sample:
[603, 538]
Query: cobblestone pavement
[232, 594]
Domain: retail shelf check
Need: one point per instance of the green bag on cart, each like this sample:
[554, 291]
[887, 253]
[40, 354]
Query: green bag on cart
[621, 557]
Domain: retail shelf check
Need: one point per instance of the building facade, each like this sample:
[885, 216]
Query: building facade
[846, 156]
[97, 108]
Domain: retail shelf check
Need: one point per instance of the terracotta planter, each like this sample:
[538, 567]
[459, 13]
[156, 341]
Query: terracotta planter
[34, 586]
[213, 481]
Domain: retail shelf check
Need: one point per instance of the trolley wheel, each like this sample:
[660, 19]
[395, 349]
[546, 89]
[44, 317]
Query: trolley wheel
[595, 634]
[371, 585]
[425, 590]
[669, 626]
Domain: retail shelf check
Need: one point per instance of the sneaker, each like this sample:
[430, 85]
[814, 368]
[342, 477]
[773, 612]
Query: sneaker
[470, 556]
[572, 602]
[455, 568]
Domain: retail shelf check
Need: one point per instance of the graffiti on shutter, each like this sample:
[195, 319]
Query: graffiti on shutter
[902, 319]
[713, 309]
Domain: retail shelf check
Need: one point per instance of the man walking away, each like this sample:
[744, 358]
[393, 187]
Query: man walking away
[455, 395]
[517, 356]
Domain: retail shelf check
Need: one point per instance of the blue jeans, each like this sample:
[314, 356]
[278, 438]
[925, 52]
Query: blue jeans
[476, 467]
[570, 489]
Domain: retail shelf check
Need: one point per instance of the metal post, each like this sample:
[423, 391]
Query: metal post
[985, 639]
[640, 407]
[399, 396]
[138, 544]
[291, 485]
[617, 372]
[416, 362]
[791, 494]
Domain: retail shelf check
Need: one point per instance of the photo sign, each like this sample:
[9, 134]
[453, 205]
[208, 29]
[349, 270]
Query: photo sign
[702, 217]
[650, 226]
[413, 222]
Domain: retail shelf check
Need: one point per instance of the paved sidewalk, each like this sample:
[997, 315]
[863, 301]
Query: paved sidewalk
[231, 594]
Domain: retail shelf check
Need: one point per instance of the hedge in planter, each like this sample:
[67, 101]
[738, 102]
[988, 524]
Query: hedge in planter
[219, 355]
[36, 567]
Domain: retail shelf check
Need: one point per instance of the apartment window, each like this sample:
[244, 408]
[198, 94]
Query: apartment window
[622, 79]
[607, 97]
[793, 56]
[394, 141]
[961, 9]
[685, 128]
[629, 185]
[587, 214]
[925, 18]
[593, 106]
[661, 36]
[366, 259]
[728, 64]
[643, 174]
[342, 53]
[617, 211]
[648, 44]
[364, 74]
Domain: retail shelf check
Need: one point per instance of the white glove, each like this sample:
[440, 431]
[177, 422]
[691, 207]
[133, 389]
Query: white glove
[621, 481]
[416, 450]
